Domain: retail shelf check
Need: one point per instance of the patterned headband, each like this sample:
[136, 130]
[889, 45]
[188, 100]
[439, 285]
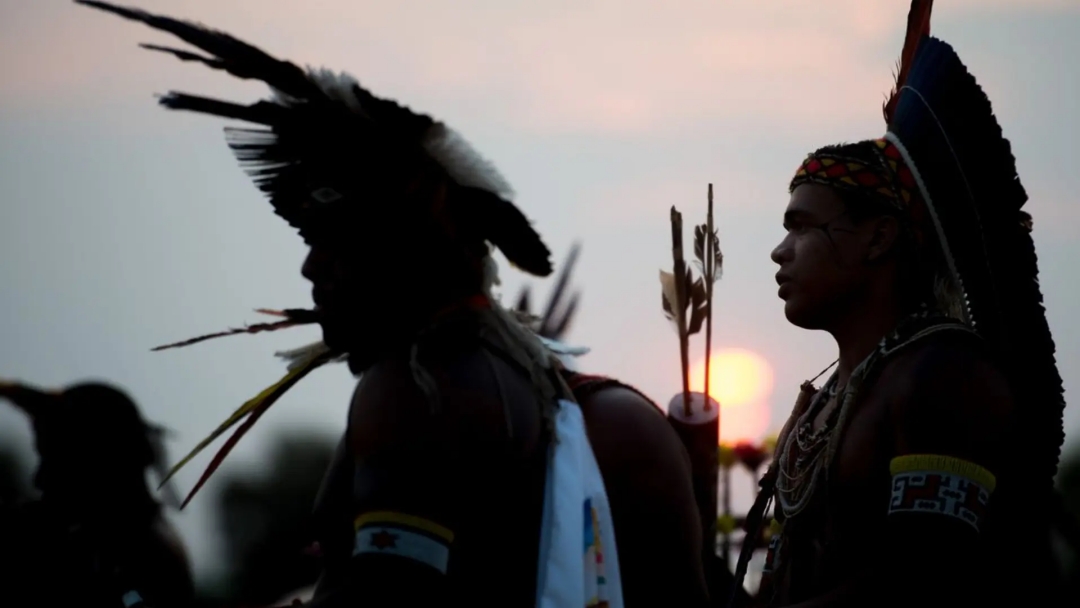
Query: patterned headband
[886, 178]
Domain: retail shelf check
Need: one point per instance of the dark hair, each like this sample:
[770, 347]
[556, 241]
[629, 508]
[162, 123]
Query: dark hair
[919, 264]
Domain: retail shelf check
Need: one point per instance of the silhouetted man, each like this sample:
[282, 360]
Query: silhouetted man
[450, 486]
[920, 473]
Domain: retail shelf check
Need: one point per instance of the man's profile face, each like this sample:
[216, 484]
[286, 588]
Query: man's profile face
[820, 258]
[360, 301]
[333, 283]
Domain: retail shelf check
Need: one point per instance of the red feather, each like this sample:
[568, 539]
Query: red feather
[918, 27]
[293, 317]
[252, 417]
[251, 329]
[226, 448]
[229, 444]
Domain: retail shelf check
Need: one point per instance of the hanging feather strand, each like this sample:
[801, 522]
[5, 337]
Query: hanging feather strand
[293, 317]
[253, 409]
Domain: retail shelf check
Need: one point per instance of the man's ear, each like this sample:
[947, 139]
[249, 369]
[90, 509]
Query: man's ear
[884, 235]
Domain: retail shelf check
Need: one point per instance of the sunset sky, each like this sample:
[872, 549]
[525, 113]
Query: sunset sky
[125, 226]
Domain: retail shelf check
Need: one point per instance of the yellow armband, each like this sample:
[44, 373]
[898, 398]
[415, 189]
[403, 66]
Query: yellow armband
[942, 485]
[408, 536]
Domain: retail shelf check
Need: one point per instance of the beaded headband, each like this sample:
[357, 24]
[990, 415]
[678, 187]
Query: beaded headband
[888, 179]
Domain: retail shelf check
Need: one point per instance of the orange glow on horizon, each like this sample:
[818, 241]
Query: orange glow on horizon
[742, 381]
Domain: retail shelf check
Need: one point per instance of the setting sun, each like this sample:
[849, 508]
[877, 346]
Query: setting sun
[742, 381]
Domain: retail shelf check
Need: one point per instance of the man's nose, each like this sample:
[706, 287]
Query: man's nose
[782, 252]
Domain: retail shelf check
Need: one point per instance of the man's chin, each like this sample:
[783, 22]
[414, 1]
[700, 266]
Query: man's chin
[331, 338]
[362, 347]
[339, 336]
[800, 317]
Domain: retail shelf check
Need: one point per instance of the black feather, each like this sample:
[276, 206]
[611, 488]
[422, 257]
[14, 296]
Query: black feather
[183, 55]
[263, 112]
[557, 330]
[523, 301]
[555, 301]
[498, 221]
[235, 57]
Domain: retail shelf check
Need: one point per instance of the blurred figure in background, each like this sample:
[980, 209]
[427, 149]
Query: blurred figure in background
[97, 535]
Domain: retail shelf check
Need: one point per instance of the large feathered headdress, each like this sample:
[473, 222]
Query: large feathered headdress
[326, 148]
[327, 142]
[943, 124]
[944, 161]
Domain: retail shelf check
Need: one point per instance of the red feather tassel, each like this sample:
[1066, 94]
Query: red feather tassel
[293, 317]
[918, 27]
[252, 417]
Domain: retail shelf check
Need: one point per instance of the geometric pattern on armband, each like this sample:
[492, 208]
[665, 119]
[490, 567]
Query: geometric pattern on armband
[941, 485]
[408, 536]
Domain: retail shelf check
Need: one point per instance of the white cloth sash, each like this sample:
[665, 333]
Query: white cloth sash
[579, 565]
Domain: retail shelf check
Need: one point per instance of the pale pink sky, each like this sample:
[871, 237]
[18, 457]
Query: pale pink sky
[126, 226]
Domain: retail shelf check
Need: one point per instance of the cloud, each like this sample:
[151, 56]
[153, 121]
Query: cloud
[557, 66]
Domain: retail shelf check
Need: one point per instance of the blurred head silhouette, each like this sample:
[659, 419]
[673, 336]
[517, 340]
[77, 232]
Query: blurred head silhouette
[92, 443]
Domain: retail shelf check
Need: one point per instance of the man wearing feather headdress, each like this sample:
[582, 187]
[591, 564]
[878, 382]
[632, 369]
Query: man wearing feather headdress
[465, 473]
[97, 535]
[921, 473]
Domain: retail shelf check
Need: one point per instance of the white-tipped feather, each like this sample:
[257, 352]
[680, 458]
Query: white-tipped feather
[299, 356]
[564, 349]
[491, 273]
[337, 86]
[463, 163]
[460, 160]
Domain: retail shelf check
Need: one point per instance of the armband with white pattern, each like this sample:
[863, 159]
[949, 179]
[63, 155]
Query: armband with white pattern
[940, 485]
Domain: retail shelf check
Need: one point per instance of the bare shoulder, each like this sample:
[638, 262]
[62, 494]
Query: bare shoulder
[948, 394]
[463, 396]
[386, 397]
[627, 429]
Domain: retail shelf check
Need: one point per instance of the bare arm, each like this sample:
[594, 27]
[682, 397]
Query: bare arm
[434, 488]
[949, 424]
[647, 476]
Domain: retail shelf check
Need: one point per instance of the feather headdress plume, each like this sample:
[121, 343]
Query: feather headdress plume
[328, 141]
[918, 27]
